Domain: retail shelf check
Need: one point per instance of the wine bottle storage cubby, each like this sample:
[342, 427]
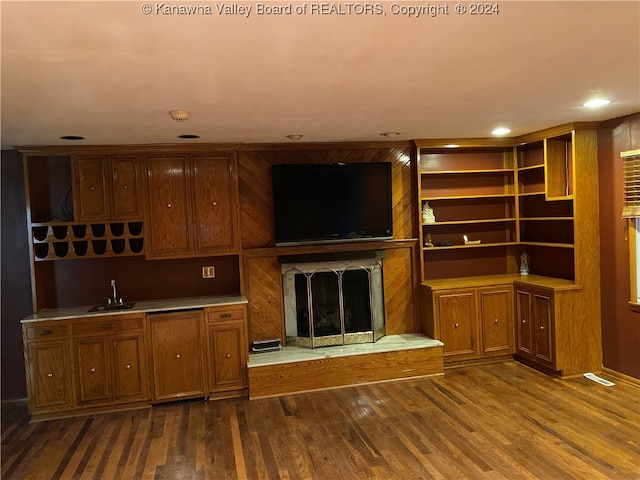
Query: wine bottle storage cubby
[66, 240]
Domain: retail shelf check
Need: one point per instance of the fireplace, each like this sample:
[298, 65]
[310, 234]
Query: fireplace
[333, 303]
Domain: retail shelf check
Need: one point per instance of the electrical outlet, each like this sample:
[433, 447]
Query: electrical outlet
[208, 272]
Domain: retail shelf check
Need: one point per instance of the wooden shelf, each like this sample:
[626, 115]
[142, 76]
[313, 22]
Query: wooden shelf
[454, 172]
[531, 167]
[468, 197]
[472, 222]
[544, 244]
[479, 245]
[545, 218]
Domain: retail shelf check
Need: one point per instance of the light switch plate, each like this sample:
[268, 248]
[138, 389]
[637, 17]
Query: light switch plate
[208, 272]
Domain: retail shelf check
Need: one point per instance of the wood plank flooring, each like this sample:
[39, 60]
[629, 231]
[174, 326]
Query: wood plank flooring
[497, 421]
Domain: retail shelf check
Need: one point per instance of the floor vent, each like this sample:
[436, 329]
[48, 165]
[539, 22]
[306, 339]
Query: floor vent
[599, 380]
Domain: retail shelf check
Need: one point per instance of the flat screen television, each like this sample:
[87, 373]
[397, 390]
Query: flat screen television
[323, 203]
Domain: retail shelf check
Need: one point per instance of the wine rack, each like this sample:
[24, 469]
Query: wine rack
[71, 240]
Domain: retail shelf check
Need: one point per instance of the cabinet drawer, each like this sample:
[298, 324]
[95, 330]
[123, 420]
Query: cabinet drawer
[233, 313]
[46, 332]
[107, 325]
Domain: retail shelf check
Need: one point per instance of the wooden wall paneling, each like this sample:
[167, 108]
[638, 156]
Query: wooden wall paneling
[256, 202]
[399, 287]
[587, 244]
[264, 291]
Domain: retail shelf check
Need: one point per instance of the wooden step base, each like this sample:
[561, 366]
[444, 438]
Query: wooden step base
[297, 370]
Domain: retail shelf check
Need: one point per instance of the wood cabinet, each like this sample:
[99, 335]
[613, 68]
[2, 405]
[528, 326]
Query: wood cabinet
[107, 187]
[177, 354]
[536, 337]
[474, 322]
[227, 350]
[192, 205]
[48, 367]
[456, 316]
[110, 360]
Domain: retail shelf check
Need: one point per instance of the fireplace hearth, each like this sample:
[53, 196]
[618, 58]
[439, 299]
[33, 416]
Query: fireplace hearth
[333, 303]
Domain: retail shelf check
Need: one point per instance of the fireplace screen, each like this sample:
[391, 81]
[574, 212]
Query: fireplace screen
[333, 303]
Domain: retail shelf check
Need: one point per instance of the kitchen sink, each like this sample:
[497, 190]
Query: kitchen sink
[111, 307]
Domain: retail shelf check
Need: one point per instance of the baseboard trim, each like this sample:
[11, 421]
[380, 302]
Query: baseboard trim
[621, 376]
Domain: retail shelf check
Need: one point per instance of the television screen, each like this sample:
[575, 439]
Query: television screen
[332, 202]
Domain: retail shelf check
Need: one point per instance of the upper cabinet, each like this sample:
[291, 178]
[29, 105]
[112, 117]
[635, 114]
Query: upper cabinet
[107, 188]
[191, 205]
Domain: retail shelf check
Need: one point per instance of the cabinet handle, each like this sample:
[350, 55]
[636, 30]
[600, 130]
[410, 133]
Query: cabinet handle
[50, 375]
[92, 370]
[495, 321]
[178, 355]
[456, 325]
[107, 326]
[214, 203]
[128, 366]
[225, 315]
[541, 327]
[168, 205]
[46, 332]
[228, 355]
[92, 188]
[524, 321]
[125, 187]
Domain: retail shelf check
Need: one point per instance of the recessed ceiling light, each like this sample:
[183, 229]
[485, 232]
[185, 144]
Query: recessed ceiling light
[452, 145]
[72, 137]
[597, 102]
[188, 135]
[390, 134]
[296, 136]
[500, 131]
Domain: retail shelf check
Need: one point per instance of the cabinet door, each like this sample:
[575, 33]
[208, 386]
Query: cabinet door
[126, 195]
[177, 355]
[524, 317]
[90, 188]
[169, 207]
[92, 369]
[227, 346]
[456, 312]
[48, 373]
[130, 374]
[215, 204]
[496, 320]
[543, 327]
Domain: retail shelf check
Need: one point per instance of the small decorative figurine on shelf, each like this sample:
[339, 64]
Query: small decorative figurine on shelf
[427, 241]
[524, 263]
[427, 214]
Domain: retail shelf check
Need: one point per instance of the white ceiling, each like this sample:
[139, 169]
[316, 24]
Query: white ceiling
[105, 71]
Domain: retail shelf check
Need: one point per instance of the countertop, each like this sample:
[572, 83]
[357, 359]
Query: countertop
[67, 313]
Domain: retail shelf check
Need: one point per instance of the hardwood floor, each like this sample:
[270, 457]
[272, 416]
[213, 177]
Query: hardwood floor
[496, 421]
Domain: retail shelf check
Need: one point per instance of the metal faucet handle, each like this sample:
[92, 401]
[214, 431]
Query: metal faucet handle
[109, 300]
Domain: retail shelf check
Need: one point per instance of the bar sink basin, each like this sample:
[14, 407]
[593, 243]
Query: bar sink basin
[111, 307]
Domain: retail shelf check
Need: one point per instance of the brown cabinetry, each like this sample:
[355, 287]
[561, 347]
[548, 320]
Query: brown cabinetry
[177, 355]
[107, 187]
[192, 203]
[536, 337]
[474, 322]
[48, 368]
[227, 349]
[110, 360]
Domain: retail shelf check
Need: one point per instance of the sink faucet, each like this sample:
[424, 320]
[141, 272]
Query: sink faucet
[115, 300]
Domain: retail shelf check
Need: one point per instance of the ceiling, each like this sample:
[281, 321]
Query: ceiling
[109, 73]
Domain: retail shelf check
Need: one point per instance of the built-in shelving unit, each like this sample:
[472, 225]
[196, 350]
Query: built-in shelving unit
[472, 193]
